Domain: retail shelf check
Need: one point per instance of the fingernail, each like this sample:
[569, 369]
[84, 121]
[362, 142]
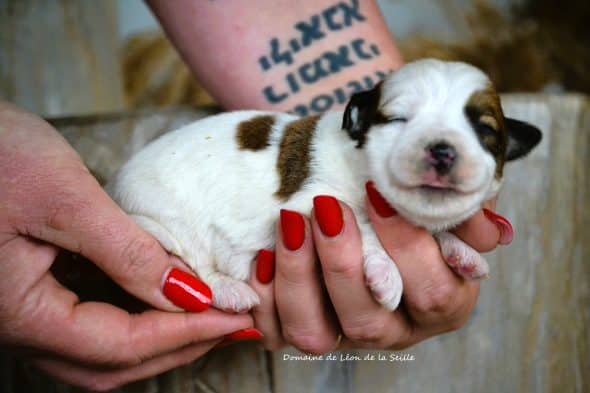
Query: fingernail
[329, 214]
[293, 229]
[265, 266]
[241, 335]
[186, 291]
[505, 227]
[382, 207]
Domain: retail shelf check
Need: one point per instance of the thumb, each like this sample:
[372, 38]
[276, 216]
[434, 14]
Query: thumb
[47, 193]
[88, 222]
[413, 249]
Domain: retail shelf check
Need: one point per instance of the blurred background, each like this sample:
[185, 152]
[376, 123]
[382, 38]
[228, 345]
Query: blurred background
[105, 76]
[524, 45]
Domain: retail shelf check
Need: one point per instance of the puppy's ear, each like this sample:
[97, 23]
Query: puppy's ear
[361, 112]
[522, 138]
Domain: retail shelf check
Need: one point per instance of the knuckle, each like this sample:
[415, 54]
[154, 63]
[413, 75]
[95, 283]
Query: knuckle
[341, 268]
[113, 356]
[435, 300]
[367, 330]
[294, 274]
[138, 254]
[307, 341]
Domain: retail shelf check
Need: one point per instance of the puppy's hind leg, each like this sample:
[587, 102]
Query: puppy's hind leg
[162, 235]
[229, 294]
[463, 259]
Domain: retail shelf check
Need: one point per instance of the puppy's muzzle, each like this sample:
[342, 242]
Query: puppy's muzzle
[441, 156]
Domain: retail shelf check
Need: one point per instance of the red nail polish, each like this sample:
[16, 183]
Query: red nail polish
[245, 334]
[241, 335]
[505, 227]
[265, 266]
[382, 207]
[328, 214]
[186, 291]
[293, 228]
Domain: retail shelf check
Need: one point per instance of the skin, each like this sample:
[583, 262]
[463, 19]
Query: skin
[49, 201]
[310, 318]
[235, 62]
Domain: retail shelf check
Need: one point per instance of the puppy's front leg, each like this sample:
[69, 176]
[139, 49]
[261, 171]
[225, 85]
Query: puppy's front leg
[463, 259]
[381, 273]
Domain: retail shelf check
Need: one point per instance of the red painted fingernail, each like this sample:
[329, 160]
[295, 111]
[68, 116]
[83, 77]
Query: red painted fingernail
[245, 334]
[265, 266]
[329, 214]
[505, 227]
[186, 291]
[293, 228]
[382, 207]
[241, 335]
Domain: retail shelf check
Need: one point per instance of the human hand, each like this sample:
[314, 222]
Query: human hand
[297, 310]
[49, 200]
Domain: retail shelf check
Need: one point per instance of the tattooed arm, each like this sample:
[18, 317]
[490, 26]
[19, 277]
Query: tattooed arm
[305, 56]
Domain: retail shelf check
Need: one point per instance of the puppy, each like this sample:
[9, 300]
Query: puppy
[431, 136]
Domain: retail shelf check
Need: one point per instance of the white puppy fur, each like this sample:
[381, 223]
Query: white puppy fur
[214, 202]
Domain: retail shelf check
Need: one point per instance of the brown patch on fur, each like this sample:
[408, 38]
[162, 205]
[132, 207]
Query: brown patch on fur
[253, 134]
[295, 155]
[484, 111]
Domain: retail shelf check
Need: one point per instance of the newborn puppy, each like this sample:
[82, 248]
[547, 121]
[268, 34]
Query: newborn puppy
[432, 137]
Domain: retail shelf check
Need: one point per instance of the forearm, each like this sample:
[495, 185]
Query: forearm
[307, 56]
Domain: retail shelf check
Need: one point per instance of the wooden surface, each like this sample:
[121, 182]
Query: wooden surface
[60, 57]
[529, 333]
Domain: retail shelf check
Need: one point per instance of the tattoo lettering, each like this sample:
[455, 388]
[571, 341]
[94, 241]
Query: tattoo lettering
[334, 18]
[329, 63]
[324, 102]
[339, 59]
[310, 30]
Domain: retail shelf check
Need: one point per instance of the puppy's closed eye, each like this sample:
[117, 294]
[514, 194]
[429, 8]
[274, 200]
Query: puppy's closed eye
[397, 119]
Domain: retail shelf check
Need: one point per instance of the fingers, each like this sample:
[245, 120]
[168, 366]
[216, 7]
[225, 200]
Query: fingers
[339, 247]
[105, 380]
[90, 223]
[486, 229]
[265, 315]
[479, 232]
[52, 319]
[41, 316]
[305, 316]
[66, 206]
[434, 297]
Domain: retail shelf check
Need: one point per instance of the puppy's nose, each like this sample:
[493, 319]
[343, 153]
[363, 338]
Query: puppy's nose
[441, 156]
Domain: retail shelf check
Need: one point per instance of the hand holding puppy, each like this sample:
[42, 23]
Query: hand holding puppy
[48, 200]
[296, 310]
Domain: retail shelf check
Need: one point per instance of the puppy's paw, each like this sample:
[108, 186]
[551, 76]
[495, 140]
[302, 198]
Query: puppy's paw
[232, 295]
[383, 278]
[463, 259]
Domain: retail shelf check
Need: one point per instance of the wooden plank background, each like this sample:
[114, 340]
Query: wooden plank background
[60, 57]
